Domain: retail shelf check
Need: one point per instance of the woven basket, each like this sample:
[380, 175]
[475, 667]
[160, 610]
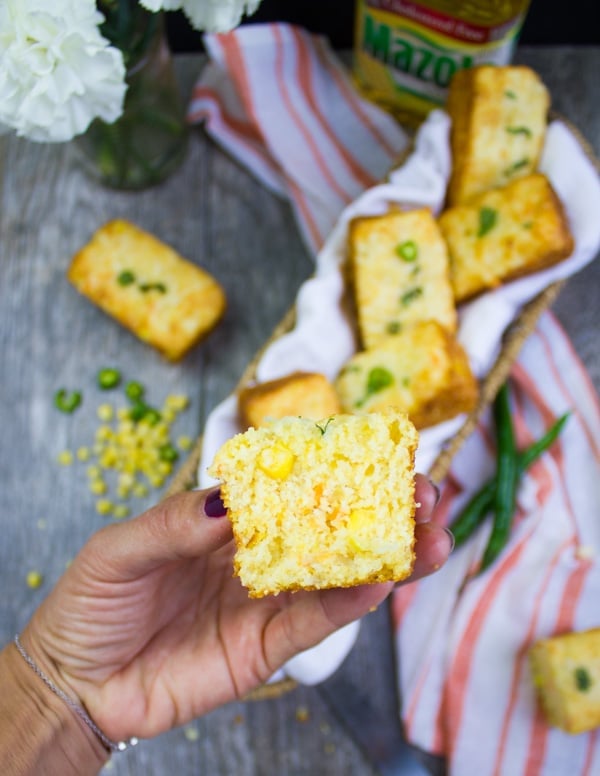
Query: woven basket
[514, 337]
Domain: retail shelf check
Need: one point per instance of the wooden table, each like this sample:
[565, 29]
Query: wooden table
[216, 214]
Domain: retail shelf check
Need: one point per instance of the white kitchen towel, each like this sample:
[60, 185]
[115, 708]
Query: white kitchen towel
[264, 97]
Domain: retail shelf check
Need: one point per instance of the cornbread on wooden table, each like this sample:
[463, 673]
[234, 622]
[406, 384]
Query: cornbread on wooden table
[498, 126]
[422, 371]
[566, 674]
[166, 300]
[504, 234]
[400, 273]
[307, 394]
[320, 504]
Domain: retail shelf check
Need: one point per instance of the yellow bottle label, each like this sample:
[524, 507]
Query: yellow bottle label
[406, 53]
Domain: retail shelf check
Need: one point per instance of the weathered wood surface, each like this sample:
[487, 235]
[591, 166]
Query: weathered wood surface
[213, 212]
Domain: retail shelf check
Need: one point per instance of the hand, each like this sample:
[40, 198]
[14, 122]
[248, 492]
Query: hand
[149, 629]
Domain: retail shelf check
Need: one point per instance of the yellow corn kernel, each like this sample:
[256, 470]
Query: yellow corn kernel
[105, 412]
[123, 414]
[164, 467]
[34, 579]
[140, 490]
[65, 458]
[168, 414]
[156, 480]
[176, 402]
[276, 461]
[93, 471]
[104, 506]
[108, 458]
[358, 521]
[184, 442]
[120, 511]
[103, 433]
[98, 487]
[83, 453]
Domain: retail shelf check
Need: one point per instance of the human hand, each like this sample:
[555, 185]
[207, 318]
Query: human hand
[149, 629]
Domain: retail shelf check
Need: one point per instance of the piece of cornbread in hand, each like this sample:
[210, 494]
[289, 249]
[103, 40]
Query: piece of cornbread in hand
[306, 394]
[422, 371]
[165, 300]
[320, 504]
[504, 234]
[498, 127]
[566, 674]
[400, 273]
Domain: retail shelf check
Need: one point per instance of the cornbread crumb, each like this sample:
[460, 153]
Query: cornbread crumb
[319, 504]
[566, 674]
[302, 714]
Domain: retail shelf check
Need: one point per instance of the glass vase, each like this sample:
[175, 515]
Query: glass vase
[149, 140]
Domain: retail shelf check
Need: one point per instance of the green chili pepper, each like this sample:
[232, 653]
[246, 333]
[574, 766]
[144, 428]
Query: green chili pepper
[108, 378]
[583, 680]
[145, 287]
[479, 506]
[168, 453]
[408, 250]
[134, 391]
[487, 220]
[67, 402]
[125, 278]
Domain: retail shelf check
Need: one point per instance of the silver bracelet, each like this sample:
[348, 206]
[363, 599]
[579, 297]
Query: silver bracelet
[112, 746]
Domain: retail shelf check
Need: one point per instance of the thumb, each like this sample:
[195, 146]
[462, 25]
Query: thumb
[187, 525]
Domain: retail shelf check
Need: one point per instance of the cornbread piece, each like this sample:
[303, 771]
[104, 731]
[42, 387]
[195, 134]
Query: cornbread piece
[307, 394]
[164, 299]
[499, 119]
[503, 234]
[566, 674]
[321, 504]
[422, 371]
[399, 266]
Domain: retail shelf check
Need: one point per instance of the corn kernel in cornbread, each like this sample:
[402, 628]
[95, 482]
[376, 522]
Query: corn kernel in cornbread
[164, 299]
[319, 504]
[422, 371]
[400, 273]
[566, 674]
[504, 234]
[307, 394]
[498, 126]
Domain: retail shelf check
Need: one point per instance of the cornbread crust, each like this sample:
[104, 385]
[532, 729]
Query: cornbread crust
[566, 674]
[498, 126]
[422, 371]
[170, 303]
[399, 271]
[529, 232]
[322, 504]
[307, 394]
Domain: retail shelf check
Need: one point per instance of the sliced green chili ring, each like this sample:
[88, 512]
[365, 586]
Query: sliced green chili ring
[411, 295]
[125, 278]
[393, 327]
[487, 220]
[168, 453]
[108, 378]
[408, 250]
[519, 131]
[516, 166]
[145, 287]
[67, 402]
[134, 391]
[138, 411]
[152, 416]
[510, 94]
[378, 379]
[583, 680]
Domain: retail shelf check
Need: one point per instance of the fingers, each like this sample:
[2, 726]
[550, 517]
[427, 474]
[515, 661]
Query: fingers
[434, 543]
[186, 525]
[427, 496]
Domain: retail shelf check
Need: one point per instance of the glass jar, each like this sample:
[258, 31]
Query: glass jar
[149, 140]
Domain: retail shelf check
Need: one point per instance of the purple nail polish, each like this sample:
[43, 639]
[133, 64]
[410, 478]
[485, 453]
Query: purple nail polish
[214, 506]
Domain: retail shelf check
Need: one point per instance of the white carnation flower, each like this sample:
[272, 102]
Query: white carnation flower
[57, 72]
[208, 15]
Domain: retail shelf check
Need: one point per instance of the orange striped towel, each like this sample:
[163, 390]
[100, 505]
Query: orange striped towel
[279, 101]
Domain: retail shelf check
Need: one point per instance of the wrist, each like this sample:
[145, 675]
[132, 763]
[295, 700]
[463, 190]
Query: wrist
[39, 732]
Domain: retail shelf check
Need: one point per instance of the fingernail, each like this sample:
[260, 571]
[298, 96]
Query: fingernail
[452, 540]
[214, 506]
[438, 492]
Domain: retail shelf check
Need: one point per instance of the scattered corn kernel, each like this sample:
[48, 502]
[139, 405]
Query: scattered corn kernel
[103, 433]
[191, 733]
[83, 453]
[65, 458]
[34, 579]
[105, 412]
[140, 490]
[93, 472]
[120, 511]
[98, 487]
[276, 461]
[184, 442]
[176, 402]
[302, 714]
[104, 506]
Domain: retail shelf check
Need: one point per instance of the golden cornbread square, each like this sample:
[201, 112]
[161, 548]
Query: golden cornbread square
[498, 126]
[166, 300]
[321, 504]
[400, 273]
[422, 370]
[566, 674]
[307, 394]
[504, 234]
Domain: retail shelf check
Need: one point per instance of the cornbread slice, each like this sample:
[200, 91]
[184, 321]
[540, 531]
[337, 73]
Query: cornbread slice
[144, 284]
[566, 674]
[320, 504]
[422, 371]
[504, 234]
[307, 394]
[498, 126]
[400, 273]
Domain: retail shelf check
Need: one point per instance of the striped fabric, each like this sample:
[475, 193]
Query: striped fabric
[278, 100]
